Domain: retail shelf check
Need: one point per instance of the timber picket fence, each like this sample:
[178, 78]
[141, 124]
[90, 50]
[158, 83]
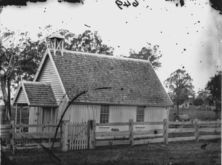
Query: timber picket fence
[89, 135]
[77, 136]
[18, 136]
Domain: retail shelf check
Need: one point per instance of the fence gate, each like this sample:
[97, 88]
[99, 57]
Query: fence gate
[77, 136]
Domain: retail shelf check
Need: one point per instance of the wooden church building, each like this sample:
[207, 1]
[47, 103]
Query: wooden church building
[129, 88]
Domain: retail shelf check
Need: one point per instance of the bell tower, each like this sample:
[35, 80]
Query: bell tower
[56, 42]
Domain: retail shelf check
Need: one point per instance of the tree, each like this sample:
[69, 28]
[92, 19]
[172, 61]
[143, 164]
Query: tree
[152, 54]
[180, 86]
[19, 59]
[214, 86]
[88, 41]
[198, 101]
[203, 98]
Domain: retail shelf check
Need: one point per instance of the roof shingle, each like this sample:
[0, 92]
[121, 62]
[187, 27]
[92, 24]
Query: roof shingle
[133, 82]
[40, 94]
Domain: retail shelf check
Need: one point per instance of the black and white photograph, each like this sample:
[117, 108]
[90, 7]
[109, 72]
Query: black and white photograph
[110, 82]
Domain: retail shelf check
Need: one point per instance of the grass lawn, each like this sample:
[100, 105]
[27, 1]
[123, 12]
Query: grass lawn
[178, 153]
[195, 113]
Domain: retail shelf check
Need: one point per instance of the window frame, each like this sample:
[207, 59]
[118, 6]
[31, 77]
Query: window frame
[140, 114]
[104, 114]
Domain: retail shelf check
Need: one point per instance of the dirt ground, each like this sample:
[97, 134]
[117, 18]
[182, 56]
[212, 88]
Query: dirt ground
[178, 153]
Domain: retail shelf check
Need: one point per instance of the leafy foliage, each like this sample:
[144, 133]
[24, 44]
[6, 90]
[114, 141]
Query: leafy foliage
[198, 101]
[180, 86]
[19, 59]
[214, 85]
[152, 54]
[203, 98]
[88, 41]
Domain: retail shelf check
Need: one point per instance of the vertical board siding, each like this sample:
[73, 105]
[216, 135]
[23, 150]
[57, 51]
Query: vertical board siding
[155, 114]
[83, 113]
[21, 97]
[119, 114]
[49, 74]
[33, 118]
[48, 118]
[77, 136]
[59, 111]
[122, 113]
[39, 118]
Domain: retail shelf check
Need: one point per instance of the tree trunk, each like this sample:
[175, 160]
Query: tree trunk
[9, 99]
[5, 88]
[4, 94]
[177, 109]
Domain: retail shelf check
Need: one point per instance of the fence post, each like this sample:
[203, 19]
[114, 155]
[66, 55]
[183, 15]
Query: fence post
[165, 131]
[131, 139]
[91, 127]
[218, 125]
[12, 136]
[196, 127]
[64, 137]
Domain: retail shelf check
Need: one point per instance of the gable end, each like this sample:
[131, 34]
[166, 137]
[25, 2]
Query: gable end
[47, 73]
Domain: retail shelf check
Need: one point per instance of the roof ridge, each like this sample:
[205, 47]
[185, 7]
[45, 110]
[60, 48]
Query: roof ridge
[105, 56]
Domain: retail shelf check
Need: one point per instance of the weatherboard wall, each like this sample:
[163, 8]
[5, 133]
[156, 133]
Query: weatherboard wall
[33, 118]
[21, 97]
[48, 74]
[117, 113]
[38, 115]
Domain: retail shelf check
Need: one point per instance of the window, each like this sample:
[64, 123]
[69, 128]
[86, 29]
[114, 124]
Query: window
[140, 114]
[104, 114]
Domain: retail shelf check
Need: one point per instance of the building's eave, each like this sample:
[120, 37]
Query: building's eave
[25, 93]
[41, 65]
[16, 94]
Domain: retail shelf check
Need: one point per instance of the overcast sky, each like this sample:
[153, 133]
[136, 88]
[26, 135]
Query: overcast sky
[189, 36]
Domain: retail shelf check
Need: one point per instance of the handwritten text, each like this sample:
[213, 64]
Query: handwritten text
[126, 3]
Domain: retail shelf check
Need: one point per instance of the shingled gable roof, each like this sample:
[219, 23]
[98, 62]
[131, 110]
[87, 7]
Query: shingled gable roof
[38, 94]
[132, 82]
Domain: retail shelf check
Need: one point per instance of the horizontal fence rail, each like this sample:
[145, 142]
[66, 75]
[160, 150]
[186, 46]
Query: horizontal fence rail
[89, 135]
[5, 130]
[28, 136]
[134, 133]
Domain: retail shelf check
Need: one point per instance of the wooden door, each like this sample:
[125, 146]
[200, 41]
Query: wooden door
[48, 117]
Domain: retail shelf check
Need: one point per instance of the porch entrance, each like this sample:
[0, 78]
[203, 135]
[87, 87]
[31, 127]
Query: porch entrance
[42, 116]
[41, 102]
